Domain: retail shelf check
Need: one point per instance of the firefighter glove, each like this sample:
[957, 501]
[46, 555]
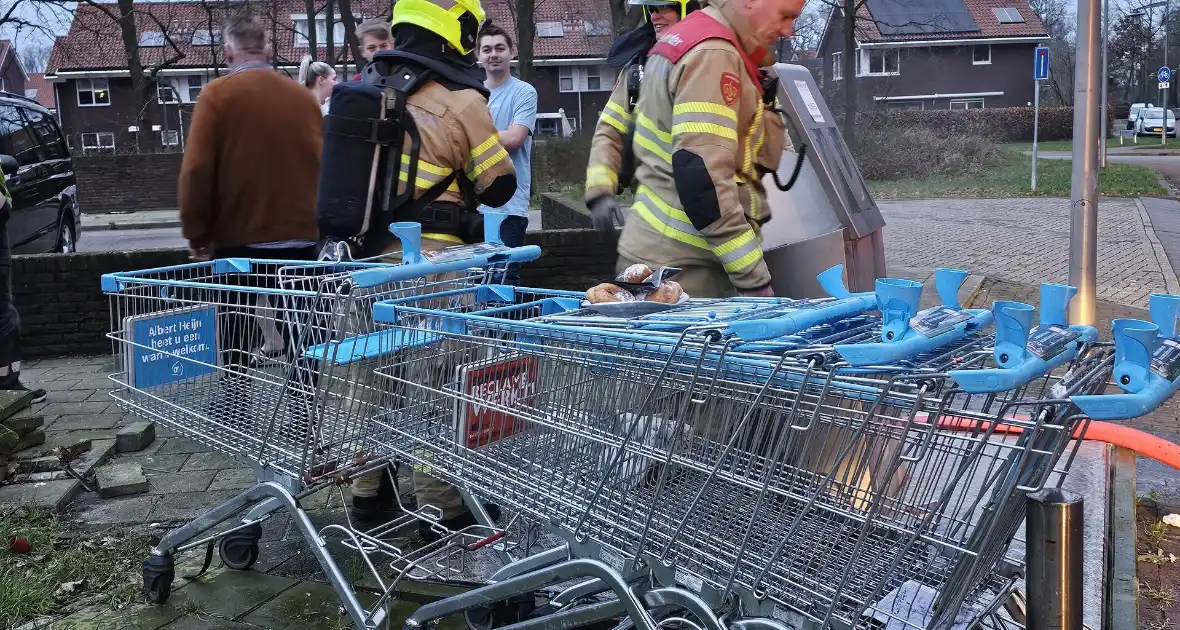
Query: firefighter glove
[603, 212]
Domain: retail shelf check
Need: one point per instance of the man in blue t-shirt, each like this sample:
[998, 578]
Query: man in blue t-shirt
[513, 104]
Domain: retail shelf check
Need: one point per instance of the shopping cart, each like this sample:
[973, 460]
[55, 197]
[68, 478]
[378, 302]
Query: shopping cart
[833, 494]
[188, 338]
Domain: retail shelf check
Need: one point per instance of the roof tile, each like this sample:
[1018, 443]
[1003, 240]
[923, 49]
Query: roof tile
[41, 90]
[981, 11]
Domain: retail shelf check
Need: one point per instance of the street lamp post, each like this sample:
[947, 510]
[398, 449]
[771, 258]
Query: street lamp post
[1083, 225]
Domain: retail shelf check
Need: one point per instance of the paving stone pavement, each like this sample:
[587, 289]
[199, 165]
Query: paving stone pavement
[1027, 241]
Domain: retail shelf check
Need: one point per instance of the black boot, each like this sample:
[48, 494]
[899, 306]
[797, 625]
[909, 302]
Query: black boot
[456, 523]
[369, 509]
[11, 382]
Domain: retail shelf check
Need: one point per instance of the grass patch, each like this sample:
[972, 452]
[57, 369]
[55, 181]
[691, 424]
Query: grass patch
[64, 568]
[1044, 145]
[1161, 595]
[1010, 178]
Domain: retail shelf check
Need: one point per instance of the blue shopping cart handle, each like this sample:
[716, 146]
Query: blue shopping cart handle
[846, 305]
[1023, 353]
[370, 278]
[912, 343]
[1146, 364]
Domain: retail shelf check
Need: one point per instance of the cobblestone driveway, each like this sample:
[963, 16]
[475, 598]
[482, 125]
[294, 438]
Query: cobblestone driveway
[1026, 241]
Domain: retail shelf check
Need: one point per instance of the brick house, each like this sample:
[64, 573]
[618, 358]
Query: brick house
[41, 91]
[13, 78]
[100, 111]
[937, 54]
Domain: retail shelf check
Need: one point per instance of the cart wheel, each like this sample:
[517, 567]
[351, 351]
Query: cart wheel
[158, 572]
[239, 550]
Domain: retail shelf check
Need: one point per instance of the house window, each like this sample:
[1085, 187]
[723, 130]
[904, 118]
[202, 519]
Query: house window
[190, 87]
[550, 29]
[103, 142]
[598, 29]
[880, 62]
[593, 79]
[1008, 16]
[967, 103]
[837, 66]
[547, 126]
[584, 79]
[205, 37]
[904, 105]
[93, 92]
[981, 55]
[150, 39]
[166, 94]
[170, 138]
[321, 31]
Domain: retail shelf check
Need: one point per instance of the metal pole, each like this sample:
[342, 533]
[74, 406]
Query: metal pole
[1164, 125]
[1105, 80]
[1083, 224]
[1053, 555]
[1036, 129]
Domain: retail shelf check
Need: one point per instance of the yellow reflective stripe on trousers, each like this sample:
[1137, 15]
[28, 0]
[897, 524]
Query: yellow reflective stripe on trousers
[649, 136]
[739, 252]
[599, 175]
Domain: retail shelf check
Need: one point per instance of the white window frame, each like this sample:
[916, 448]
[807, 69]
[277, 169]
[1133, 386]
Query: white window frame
[865, 62]
[595, 72]
[838, 66]
[160, 92]
[90, 83]
[967, 103]
[99, 146]
[572, 72]
[550, 29]
[339, 37]
[579, 78]
[154, 42]
[976, 62]
[208, 37]
[173, 134]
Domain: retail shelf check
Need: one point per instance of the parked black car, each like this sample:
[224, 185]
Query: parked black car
[40, 177]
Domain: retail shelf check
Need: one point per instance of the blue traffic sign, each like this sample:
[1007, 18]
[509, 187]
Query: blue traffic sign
[1040, 63]
[1164, 74]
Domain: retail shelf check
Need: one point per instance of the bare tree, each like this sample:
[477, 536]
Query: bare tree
[349, 20]
[35, 56]
[524, 13]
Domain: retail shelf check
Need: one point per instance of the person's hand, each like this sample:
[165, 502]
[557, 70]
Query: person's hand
[602, 212]
[765, 292]
[198, 254]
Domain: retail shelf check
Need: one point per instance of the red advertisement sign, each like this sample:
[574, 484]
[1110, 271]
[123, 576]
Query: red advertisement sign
[494, 387]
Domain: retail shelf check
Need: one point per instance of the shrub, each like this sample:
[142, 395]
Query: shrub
[884, 152]
[1005, 124]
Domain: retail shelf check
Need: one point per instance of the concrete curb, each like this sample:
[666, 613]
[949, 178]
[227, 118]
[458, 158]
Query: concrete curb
[1122, 590]
[137, 225]
[1161, 256]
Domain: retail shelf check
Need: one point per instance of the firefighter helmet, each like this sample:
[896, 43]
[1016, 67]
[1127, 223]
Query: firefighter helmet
[686, 6]
[457, 21]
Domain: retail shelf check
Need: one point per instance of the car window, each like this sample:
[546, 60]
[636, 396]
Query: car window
[15, 137]
[46, 134]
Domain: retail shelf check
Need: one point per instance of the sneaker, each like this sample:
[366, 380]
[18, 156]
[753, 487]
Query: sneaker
[456, 523]
[11, 382]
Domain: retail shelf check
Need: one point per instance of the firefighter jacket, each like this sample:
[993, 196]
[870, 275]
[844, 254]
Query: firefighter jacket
[458, 136]
[703, 139]
[610, 136]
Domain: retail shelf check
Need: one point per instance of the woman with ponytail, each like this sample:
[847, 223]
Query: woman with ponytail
[318, 77]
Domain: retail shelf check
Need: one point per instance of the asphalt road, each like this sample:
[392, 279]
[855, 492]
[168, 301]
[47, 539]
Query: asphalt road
[127, 240]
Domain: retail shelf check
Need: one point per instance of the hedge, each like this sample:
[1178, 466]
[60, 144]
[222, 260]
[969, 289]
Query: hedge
[1005, 124]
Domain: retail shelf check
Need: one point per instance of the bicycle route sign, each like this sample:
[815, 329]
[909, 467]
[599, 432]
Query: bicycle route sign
[1164, 74]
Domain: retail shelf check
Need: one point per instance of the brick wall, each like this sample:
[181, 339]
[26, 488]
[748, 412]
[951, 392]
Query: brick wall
[109, 183]
[562, 213]
[64, 311]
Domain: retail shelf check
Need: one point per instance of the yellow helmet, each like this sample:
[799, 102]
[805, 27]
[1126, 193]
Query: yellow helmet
[457, 21]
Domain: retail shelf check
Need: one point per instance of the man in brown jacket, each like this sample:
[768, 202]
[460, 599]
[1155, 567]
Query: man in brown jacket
[250, 171]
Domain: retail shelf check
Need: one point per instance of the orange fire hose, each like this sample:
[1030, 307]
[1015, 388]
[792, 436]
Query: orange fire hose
[1144, 444]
